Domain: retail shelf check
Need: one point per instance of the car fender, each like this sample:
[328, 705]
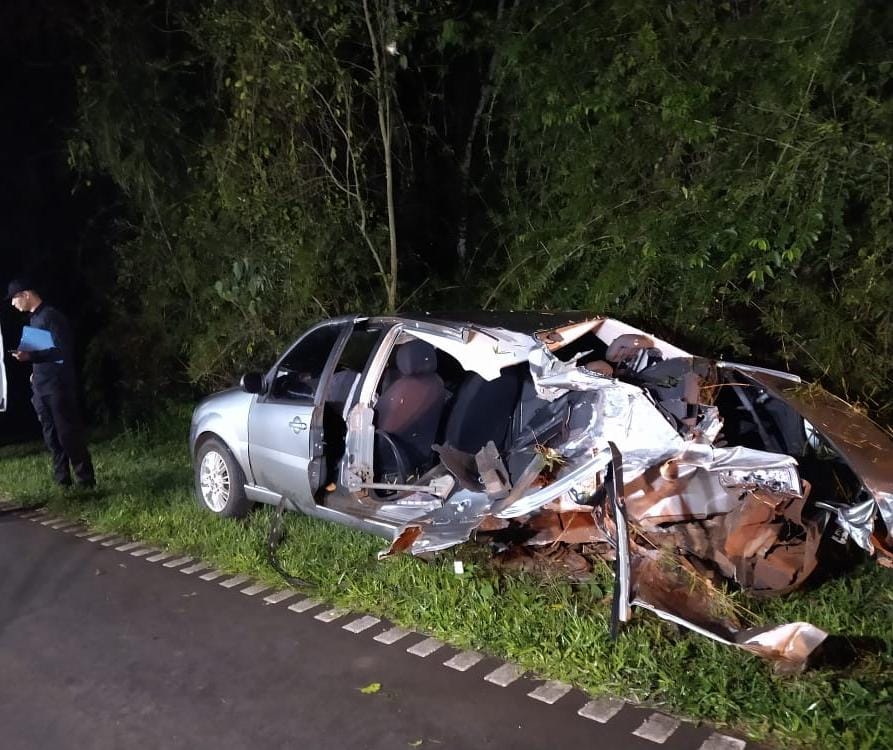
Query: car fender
[225, 415]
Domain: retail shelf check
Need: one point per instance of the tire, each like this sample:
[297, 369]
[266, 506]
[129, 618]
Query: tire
[219, 482]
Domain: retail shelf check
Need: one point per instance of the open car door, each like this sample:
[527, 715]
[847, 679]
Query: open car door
[2, 375]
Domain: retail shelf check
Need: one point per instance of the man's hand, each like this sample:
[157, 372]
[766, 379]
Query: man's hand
[22, 356]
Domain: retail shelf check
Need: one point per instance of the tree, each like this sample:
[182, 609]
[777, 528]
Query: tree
[719, 171]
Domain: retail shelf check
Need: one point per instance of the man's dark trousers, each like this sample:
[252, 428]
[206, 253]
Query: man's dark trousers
[63, 432]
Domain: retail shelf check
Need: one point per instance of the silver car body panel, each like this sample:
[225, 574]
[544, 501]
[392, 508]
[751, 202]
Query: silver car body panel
[225, 415]
[280, 449]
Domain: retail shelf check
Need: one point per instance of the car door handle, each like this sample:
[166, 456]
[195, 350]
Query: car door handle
[297, 425]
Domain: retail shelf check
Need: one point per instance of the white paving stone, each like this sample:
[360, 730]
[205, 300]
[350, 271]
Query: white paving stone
[257, 588]
[601, 710]
[113, 541]
[392, 635]
[331, 614]
[717, 741]
[504, 675]
[212, 575]
[231, 583]
[176, 563]
[425, 648]
[463, 661]
[51, 519]
[143, 551]
[73, 528]
[160, 556]
[194, 568]
[63, 524]
[361, 624]
[657, 728]
[99, 537]
[85, 532]
[280, 596]
[305, 604]
[129, 546]
[550, 692]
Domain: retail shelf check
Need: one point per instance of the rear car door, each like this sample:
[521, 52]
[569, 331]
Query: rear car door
[285, 424]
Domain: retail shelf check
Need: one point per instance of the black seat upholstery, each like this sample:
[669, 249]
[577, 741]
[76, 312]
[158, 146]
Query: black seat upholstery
[340, 388]
[483, 411]
[410, 408]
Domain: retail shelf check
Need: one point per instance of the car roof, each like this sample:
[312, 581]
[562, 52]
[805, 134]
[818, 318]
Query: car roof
[521, 321]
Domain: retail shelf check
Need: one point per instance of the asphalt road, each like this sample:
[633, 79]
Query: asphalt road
[102, 649]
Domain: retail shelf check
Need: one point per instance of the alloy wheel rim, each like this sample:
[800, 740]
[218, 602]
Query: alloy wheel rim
[214, 481]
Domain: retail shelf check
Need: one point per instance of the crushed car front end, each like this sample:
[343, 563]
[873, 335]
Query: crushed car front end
[688, 475]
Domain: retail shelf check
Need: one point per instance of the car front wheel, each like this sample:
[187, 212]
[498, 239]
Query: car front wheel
[219, 483]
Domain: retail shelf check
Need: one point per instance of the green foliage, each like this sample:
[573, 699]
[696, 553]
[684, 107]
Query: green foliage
[720, 171]
[239, 230]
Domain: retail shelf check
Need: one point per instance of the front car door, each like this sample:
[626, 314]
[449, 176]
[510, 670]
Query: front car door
[285, 424]
[2, 375]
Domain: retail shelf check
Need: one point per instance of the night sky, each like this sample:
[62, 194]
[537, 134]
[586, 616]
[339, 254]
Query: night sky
[49, 229]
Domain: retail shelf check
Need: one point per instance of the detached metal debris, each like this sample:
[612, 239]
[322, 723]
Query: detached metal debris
[685, 474]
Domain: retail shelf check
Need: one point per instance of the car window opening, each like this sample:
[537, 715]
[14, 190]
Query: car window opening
[297, 375]
[339, 395]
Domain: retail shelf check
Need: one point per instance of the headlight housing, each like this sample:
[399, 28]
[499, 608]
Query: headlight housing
[778, 480]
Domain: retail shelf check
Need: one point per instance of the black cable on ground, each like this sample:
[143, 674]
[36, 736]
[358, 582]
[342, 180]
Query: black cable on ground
[274, 540]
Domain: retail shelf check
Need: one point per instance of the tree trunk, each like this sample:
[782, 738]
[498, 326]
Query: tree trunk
[383, 100]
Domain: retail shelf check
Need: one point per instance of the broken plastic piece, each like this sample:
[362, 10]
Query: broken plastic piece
[492, 471]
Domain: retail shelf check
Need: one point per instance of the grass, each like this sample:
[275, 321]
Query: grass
[549, 626]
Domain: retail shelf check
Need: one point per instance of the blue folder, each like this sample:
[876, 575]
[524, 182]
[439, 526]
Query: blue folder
[36, 340]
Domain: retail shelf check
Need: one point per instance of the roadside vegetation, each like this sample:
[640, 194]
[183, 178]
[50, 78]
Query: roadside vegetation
[718, 172]
[548, 625]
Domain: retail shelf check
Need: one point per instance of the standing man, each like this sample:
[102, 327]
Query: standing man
[54, 386]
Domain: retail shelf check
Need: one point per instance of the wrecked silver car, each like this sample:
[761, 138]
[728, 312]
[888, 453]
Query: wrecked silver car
[560, 439]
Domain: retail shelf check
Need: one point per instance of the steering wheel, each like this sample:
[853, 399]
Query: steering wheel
[389, 462]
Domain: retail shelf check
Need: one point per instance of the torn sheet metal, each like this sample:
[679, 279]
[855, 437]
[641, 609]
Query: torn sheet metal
[788, 646]
[564, 527]
[855, 521]
[631, 464]
[485, 351]
[620, 604]
[865, 447]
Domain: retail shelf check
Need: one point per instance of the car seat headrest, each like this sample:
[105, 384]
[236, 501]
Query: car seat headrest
[416, 358]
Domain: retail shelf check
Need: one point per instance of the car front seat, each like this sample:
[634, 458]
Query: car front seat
[483, 410]
[410, 408]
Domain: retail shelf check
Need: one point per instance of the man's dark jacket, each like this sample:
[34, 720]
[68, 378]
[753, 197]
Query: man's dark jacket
[53, 368]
